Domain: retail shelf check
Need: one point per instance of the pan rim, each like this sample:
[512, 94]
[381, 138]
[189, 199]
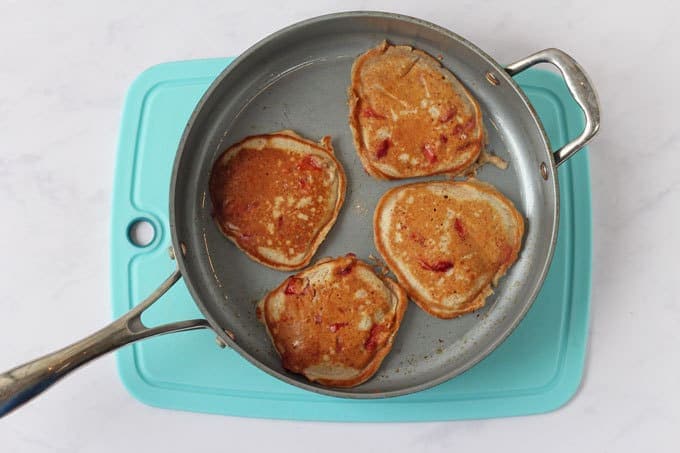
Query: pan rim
[347, 393]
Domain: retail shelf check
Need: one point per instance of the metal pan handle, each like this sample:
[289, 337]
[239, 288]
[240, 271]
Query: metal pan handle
[580, 87]
[21, 384]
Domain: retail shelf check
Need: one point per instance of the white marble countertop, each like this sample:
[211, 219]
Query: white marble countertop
[65, 68]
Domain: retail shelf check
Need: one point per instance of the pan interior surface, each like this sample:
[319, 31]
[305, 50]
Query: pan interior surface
[297, 79]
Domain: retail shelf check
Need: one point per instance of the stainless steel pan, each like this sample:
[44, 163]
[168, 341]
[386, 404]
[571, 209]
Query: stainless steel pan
[297, 78]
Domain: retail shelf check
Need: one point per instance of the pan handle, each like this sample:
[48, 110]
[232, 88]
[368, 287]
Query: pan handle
[21, 384]
[580, 87]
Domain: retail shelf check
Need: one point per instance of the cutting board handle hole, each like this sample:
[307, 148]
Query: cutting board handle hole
[141, 232]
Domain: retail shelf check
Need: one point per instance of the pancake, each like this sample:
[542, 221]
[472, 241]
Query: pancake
[410, 116]
[335, 322]
[448, 242]
[276, 196]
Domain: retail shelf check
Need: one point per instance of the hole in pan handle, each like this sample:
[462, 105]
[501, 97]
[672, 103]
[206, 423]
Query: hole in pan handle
[21, 384]
[580, 87]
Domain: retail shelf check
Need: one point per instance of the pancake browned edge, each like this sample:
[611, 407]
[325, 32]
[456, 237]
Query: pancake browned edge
[448, 242]
[276, 196]
[334, 322]
[410, 116]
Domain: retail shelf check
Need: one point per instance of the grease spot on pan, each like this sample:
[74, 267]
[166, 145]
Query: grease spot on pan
[210, 261]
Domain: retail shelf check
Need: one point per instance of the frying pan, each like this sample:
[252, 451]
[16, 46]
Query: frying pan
[297, 79]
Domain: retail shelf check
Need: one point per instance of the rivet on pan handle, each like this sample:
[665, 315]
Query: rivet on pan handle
[580, 87]
[21, 384]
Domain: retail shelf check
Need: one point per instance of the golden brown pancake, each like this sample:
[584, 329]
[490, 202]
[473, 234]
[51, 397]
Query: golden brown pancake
[334, 322]
[276, 196]
[448, 242]
[410, 116]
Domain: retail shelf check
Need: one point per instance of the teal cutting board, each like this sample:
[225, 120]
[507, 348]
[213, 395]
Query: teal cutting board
[537, 369]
